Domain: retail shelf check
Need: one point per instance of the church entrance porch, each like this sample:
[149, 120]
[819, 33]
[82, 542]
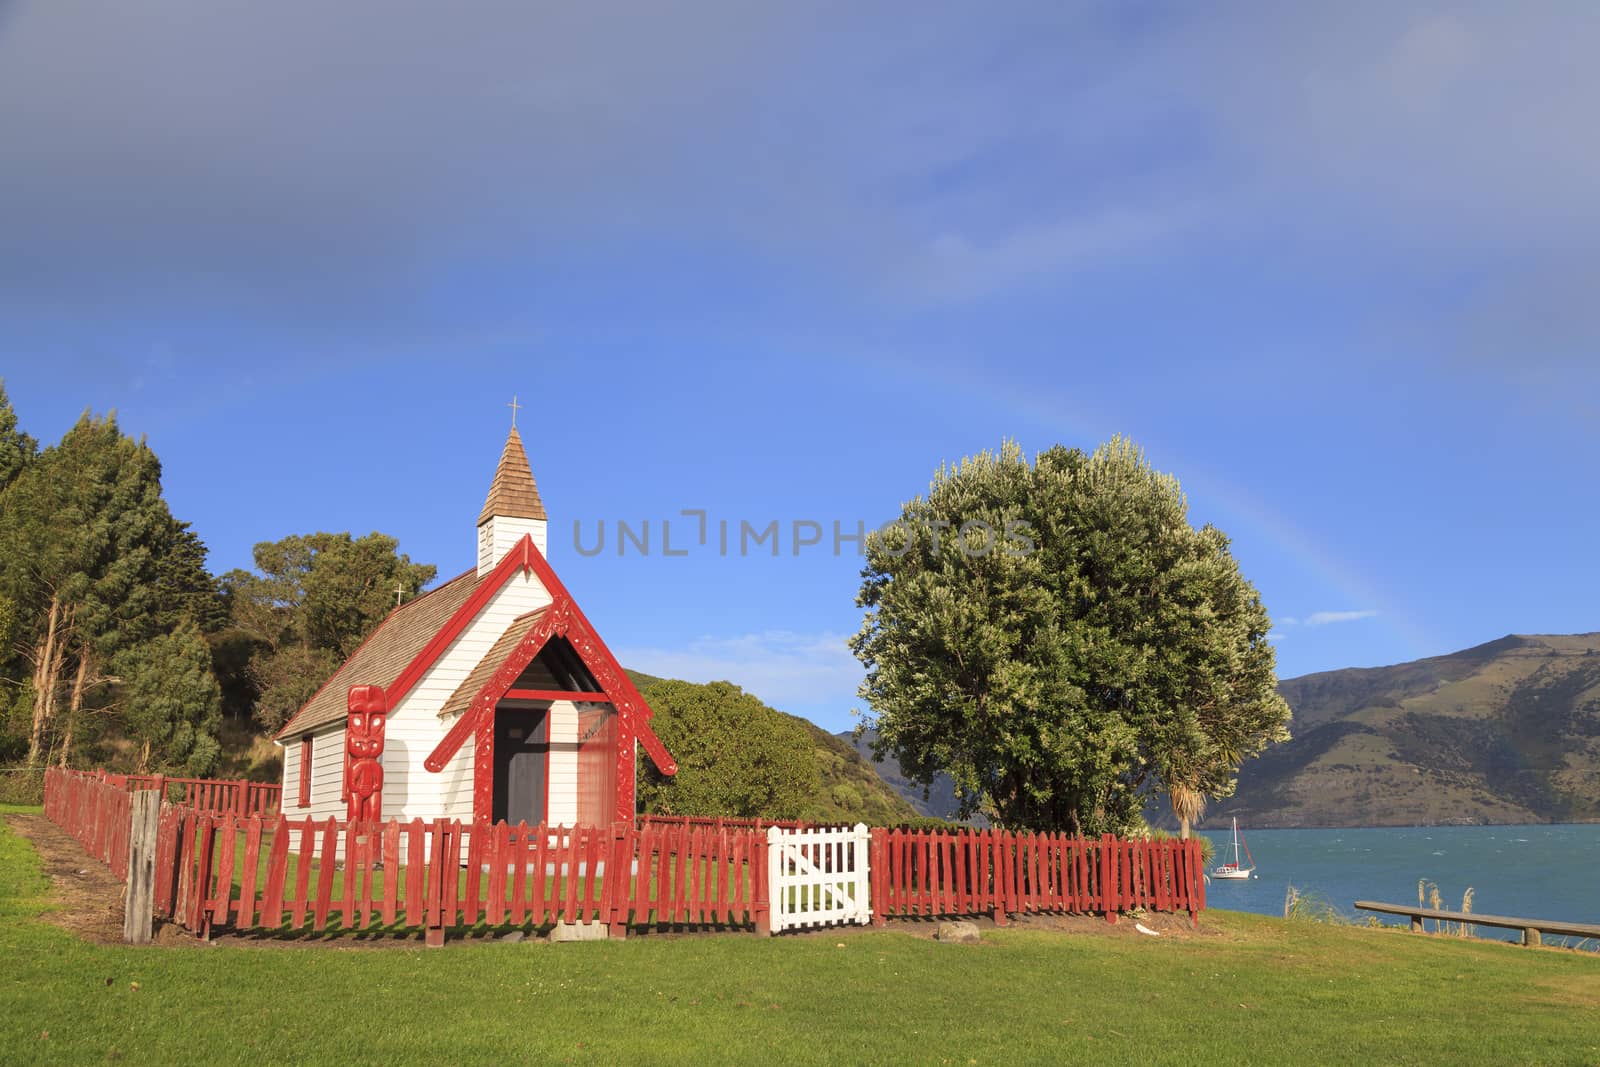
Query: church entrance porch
[521, 765]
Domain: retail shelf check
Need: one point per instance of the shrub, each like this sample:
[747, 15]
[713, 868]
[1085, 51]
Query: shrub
[22, 785]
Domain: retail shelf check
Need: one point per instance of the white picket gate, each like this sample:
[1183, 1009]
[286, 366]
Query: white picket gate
[818, 877]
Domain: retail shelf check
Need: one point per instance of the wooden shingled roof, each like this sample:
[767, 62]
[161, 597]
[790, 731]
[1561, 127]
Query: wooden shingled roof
[513, 493]
[385, 653]
[491, 661]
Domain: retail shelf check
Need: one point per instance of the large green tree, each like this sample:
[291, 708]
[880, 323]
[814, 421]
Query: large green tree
[1062, 641]
[736, 756]
[308, 605]
[94, 568]
[17, 451]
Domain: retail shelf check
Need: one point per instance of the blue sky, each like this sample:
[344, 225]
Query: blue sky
[1334, 266]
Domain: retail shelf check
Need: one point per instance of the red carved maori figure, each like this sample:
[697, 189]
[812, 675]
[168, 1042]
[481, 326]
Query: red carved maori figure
[368, 715]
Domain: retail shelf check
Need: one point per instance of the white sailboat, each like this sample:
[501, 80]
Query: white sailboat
[1236, 869]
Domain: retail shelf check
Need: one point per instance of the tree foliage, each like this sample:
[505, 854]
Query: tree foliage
[17, 449]
[736, 756]
[112, 628]
[1101, 649]
[309, 604]
[173, 702]
[93, 569]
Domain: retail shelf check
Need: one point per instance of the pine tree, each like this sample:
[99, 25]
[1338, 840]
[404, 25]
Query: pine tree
[17, 449]
[96, 566]
[173, 702]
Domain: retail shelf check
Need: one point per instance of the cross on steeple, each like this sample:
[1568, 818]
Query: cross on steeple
[514, 406]
[399, 591]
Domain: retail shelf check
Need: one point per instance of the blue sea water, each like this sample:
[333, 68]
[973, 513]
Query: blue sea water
[1539, 872]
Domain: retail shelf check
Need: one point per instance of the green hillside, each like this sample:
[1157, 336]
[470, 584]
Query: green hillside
[850, 790]
[1506, 732]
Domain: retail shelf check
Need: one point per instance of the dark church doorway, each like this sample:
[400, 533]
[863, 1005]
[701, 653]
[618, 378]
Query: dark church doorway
[521, 764]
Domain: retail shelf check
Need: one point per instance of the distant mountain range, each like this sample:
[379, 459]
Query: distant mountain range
[1507, 732]
[940, 799]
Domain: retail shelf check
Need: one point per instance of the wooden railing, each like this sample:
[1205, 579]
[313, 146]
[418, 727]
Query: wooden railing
[95, 810]
[719, 822]
[974, 872]
[233, 796]
[1532, 929]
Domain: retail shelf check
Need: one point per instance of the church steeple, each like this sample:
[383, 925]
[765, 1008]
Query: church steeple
[513, 507]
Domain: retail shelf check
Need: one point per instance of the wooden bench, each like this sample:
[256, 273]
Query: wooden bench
[1531, 928]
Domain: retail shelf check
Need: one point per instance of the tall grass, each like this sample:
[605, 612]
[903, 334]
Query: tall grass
[1300, 906]
[1428, 897]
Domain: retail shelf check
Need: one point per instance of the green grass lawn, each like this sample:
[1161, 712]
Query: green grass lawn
[1256, 991]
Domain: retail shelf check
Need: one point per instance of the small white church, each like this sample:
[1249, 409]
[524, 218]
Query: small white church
[488, 698]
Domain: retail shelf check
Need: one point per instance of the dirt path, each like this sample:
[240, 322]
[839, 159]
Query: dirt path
[87, 897]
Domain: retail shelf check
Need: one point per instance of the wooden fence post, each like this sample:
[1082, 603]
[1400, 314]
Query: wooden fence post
[763, 874]
[1194, 872]
[997, 842]
[1109, 884]
[433, 904]
[617, 890]
[137, 917]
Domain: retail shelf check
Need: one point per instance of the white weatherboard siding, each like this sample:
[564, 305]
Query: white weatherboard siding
[455, 781]
[415, 728]
[563, 809]
[290, 778]
[327, 776]
[500, 534]
[291, 775]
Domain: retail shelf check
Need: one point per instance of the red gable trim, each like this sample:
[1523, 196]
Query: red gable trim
[519, 558]
[551, 695]
[614, 680]
[289, 727]
[563, 617]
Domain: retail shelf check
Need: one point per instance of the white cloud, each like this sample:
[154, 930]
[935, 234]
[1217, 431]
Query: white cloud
[1323, 618]
[790, 671]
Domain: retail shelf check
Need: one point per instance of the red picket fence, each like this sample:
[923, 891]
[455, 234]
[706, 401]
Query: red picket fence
[292, 875]
[93, 809]
[268, 873]
[220, 796]
[947, 873]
